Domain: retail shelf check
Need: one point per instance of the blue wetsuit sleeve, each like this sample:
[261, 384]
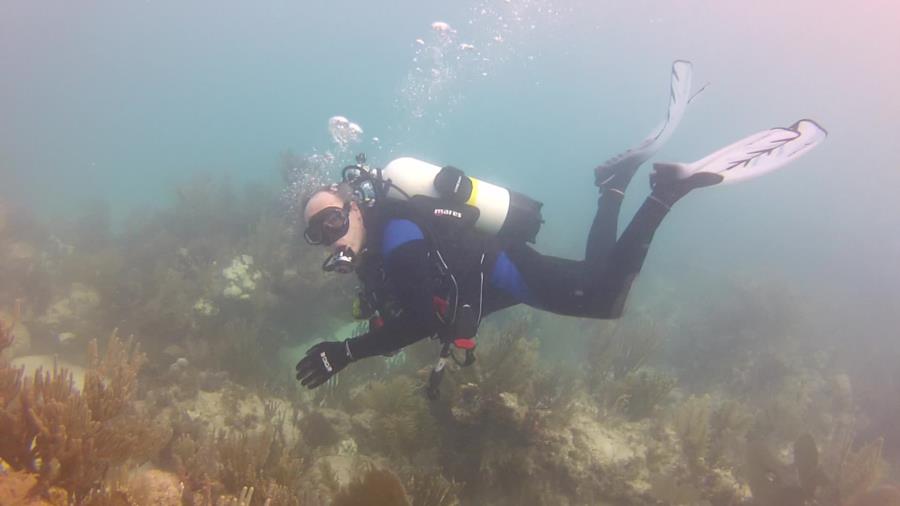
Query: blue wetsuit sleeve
[506, 276]
[409, 271]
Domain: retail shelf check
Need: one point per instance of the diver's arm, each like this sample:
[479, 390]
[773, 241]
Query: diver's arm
[328, 358]
[409, 270]
[392, 336]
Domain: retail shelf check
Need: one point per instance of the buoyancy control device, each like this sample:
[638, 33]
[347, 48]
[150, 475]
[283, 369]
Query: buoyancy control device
[450, 200]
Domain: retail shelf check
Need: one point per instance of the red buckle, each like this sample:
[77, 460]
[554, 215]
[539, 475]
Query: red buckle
[464, 343]
[376, 322]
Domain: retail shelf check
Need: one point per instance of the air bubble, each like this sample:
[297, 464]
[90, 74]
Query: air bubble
[343, 131]
[441, 27]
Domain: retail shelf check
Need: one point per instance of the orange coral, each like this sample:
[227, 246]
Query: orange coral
[15, 490]
[69, 439]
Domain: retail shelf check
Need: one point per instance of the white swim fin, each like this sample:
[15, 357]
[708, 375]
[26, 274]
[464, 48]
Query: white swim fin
[749, 157]
[627, 163]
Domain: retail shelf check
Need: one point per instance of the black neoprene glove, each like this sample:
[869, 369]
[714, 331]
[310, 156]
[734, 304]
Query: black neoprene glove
[323, 361]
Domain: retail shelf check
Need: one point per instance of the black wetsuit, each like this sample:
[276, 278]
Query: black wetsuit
[403, 259]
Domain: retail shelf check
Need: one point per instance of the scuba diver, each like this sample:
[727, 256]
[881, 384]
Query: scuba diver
[436, 250]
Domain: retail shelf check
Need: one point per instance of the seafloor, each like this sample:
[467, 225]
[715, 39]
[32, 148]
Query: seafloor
[200, 407]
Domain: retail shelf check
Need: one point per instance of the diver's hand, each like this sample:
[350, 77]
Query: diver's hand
[323, 361]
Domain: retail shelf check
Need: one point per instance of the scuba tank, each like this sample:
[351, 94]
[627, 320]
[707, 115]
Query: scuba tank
[494, 210]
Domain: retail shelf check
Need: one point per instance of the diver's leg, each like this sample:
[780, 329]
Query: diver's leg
[752, 156]
[596, 287]
[613, 175]
[546, 282]
[578, 288]
[609, 290]
[604, 228]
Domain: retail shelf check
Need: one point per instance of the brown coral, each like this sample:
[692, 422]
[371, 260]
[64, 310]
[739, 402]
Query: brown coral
[691, 423]
[402, 420]
[854, 471]
[242, 467]
[6, 334]
[432, 489]
[377, 488]
[888, 495]
[111, 380]
[67, 438]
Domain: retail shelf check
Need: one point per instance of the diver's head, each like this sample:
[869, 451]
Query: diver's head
[333, 219]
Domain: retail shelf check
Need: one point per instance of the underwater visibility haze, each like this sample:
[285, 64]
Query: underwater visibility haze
[156, 292]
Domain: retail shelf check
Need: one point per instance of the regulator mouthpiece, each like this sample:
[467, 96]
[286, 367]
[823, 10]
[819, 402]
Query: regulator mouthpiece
[340, 261]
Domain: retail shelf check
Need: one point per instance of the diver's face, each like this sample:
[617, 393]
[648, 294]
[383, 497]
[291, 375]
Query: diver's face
[331, 222]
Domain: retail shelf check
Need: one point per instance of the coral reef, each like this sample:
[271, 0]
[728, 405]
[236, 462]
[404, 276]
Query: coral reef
[495, 435]
[381, 487]
[638, 393]
[69, 438]
[153, 486]
[692, 426]
[887, 495]
[377, 488]
[16, 489]
[72, 315]
[400, 420]
[17, 333]
[845, 476]
[618, 374]
[241, 278]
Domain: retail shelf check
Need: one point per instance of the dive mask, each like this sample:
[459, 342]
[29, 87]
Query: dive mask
[328, 225]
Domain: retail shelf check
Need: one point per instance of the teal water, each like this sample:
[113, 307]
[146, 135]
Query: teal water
[121, 102]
